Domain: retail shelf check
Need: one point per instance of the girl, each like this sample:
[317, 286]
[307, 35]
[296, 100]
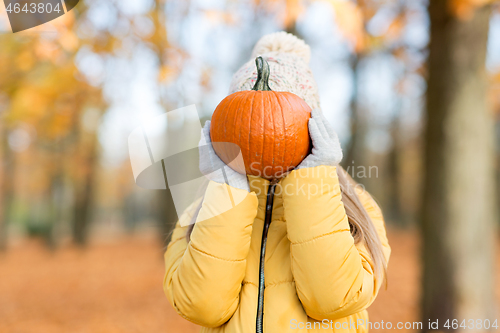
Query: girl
[327, 250]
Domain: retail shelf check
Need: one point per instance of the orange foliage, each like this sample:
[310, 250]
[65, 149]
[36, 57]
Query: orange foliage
[167, 74]
[39, 80]
[293, 9]
[396, 27]
[494, 94]
[464, 9]
[350, 21]
[351, 18]
[220, 16]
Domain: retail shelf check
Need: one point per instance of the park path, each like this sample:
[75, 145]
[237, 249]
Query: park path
[116, 286]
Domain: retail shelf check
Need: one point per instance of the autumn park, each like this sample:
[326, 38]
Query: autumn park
[411, 87]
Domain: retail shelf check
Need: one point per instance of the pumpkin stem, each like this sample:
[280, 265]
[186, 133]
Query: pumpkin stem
[262, 83]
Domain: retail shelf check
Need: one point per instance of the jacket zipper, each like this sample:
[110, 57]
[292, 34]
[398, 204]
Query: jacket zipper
[267, 222]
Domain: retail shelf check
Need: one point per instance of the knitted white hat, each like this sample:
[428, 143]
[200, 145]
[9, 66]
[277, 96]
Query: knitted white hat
[288, 59]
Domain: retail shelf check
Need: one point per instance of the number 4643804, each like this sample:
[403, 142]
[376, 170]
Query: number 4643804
[33, 8]
[471, 324]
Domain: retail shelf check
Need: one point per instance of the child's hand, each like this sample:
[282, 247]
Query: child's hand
[326, 146]
[214, 168]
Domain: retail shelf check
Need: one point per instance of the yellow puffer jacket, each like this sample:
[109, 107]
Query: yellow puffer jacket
[316, 278]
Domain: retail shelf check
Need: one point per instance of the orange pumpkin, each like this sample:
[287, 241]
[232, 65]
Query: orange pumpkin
[269, 127]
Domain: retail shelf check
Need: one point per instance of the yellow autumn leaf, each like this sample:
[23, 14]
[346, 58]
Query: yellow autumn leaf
[59, 125]
[396, 27]
[46, 50]
[350, 22]
[368, 8]
[25, 60]
[167, 74]
[28, 103]
[69, 40]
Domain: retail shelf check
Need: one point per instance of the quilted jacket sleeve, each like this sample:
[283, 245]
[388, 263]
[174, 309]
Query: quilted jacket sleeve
[334, 277]
[203, 277]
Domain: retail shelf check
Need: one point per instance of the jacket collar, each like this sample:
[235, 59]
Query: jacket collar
[260, 186]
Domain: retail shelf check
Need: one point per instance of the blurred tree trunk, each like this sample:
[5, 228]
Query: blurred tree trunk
[84, 187]
[395, 213]
[166, 213]
[354, 155]
[458, 201]
[56, 198]
[292, 10]
[291, 28]
[6, 185]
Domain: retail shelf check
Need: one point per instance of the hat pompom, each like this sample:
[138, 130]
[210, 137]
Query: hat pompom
[282, 42]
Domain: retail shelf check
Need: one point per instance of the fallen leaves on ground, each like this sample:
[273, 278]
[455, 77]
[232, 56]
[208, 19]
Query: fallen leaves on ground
[117, 287]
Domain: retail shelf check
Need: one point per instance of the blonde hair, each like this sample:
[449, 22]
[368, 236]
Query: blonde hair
[361, 225]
